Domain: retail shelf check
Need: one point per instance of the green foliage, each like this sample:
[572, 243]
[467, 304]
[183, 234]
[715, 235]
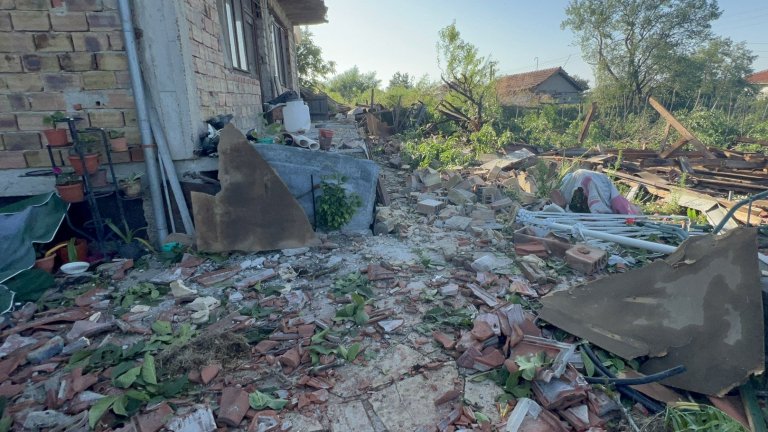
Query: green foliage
[458, 149]
[470, 79]
[354, 311]
[699, 417]
[548, 129]
[353, 85]
[259, 401]
[529, 365]
[353, 282]
[310, 65]
[713, 128]
[459, 318]
[632, 43]
[53, 118]
[143, 292]
[335, 206]
[400, 79]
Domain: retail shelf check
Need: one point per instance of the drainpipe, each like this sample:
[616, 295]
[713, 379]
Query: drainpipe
[142, 114]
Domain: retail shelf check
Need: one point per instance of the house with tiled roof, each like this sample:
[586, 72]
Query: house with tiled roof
[544, 86]
[760, 80]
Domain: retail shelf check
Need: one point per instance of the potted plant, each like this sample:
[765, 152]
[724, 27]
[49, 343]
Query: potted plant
[133, 247]
[90, 150]
[76, 249]
[43, 261]
[117, 140]
[131, 185]
[55, 137]
[70, 186]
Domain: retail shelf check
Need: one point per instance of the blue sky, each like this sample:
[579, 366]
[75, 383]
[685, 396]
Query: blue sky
[400, 35]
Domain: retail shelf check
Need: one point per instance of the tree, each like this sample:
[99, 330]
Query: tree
[400, 79]
[633, 43]
[309, 61]
[583, 82]
[352, 84]
[470, 79]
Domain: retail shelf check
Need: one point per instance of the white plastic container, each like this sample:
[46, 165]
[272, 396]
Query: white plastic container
[296, 117]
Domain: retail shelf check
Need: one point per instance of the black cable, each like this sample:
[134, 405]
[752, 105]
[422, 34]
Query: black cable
[629, 392]
[677, 370]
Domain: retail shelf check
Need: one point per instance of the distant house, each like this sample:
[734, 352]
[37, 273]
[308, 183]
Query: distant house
[553, 86]
[760, 80]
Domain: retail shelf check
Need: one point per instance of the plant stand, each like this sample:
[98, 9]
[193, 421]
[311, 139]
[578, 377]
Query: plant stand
[96, 224]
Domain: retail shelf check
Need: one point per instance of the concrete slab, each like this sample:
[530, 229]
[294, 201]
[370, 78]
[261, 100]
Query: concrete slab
[483, 396]
[409, 404]
[386, 368]
[295, 166]
[349, 417]
[301, 423]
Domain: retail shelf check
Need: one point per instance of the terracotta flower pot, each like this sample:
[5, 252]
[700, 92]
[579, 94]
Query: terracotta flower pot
[131, 189]
[46, 263]
[91, 163]
[119, 144]
[56, 137]
[81, 248]
[71, 193]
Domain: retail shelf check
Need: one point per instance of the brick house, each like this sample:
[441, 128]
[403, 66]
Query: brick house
[530, 89]
[199, 58]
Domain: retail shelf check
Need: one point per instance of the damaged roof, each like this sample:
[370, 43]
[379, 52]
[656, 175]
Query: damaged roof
[302, 12]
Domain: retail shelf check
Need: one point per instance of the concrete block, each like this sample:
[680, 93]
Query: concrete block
[84, 5]
[461, 196]
[7, 122]
[12, 160]
[502, 204]
[295, 165]
[51, 42]
[73, 21]
[62, 81]
[24, 82]
[31, 121]
[106, 118]
[7, 4]
[99, 21]
[98, 80]
[17, 42]
[429, 206]
[460, 223]
[36, 5]
[30, 21]
[111, 61]
[10, 63]
[47, 101]
[92, 42]
[116, 42]
[77, 62]
[22, 141]
[40, 63]
[5, 22]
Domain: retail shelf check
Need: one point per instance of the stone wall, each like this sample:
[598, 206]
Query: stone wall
[61, 55]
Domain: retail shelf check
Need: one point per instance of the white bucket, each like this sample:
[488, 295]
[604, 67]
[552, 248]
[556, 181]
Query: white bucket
[296, 117]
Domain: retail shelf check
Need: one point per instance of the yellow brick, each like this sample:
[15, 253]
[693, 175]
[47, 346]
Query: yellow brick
[53, 42]
[73, 21]
[30, 21]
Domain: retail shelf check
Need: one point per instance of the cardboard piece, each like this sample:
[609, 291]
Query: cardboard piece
[254, 211]
[701, 307]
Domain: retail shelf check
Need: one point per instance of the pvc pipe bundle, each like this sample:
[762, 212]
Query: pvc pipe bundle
[607, 227]
[301, 141]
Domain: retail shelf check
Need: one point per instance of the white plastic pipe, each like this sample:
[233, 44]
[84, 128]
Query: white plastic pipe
[137, 85]
[626, 241]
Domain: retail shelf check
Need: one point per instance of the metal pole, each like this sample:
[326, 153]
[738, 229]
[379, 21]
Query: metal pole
[137, 85]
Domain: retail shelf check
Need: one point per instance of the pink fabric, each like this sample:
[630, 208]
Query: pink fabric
[621, 205]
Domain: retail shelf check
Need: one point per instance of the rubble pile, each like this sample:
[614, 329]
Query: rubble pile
[431, 324]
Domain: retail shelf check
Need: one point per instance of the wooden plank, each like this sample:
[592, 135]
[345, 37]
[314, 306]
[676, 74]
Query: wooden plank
[667, 130]
[685, 166]
[587, 122]
[685, 133]
[674, 147]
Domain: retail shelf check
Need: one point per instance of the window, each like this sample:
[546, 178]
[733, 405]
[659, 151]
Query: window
[240, 29]
[279, 43]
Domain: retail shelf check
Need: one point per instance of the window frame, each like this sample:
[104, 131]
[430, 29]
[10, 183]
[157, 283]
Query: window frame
[279, 51]
[238, 21]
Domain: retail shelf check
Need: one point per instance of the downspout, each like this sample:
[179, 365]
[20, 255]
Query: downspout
[142, 114]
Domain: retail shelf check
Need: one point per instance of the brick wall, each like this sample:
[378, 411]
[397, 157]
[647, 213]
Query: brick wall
[220, 89]
[60, 55]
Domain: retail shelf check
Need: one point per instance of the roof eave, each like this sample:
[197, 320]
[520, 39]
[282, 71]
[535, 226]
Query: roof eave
[305, 12]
